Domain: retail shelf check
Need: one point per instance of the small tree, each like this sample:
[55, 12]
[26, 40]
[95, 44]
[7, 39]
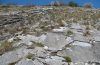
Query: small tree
[68, 60]
[88, 5]
[73, 4]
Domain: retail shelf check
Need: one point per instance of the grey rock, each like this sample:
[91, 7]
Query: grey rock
[25, 62]
[55, 41]
[96, 49]
[9, 58]
[76, 26]
[54, 62]
[29, 62]
[14, 56]
[57, 58]
[80, 37]
[78, 53]
[27, 39]
[36, 62]
[40, 52]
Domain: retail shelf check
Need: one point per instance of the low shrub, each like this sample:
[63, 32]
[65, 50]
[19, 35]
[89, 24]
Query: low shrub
[6, 46]
[72, 4]
[68, 60]
[29, 56]
[69, 32]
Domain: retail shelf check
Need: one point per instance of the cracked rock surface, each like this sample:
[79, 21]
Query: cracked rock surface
[49, 35]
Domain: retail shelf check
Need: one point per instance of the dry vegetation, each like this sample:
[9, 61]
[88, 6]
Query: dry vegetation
[5, 46]
[84, 16]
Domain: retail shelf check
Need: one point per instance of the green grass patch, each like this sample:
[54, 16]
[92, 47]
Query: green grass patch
[69, 32]
[29, 56]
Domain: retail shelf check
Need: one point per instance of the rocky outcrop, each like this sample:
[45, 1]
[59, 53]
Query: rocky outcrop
[47, 35]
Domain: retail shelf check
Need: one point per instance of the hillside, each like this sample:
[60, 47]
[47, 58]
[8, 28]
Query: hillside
[48, 35]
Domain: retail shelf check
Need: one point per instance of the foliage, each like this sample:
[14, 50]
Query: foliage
[73, 4]
[38, 44]
[29, 56]
[69, 32]
[68, 59]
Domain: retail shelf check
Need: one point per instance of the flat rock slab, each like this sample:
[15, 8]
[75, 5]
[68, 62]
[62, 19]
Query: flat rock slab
[25, 62]
[14, 56]
[54, 62]
[55, 41]
[29, 62]
[29, 38]
[80, 37]
[9, 58]
[76, 26]
[40, 52]
[96, 49]
[82, 44]
[78, 53]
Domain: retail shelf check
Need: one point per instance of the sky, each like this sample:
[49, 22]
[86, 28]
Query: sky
[95, 3]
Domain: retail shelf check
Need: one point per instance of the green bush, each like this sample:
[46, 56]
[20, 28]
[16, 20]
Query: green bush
[29, 56]
[73, 4]
[68, 60]
[69, 32]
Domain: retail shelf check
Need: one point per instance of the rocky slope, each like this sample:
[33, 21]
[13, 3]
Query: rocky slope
[50, 36]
